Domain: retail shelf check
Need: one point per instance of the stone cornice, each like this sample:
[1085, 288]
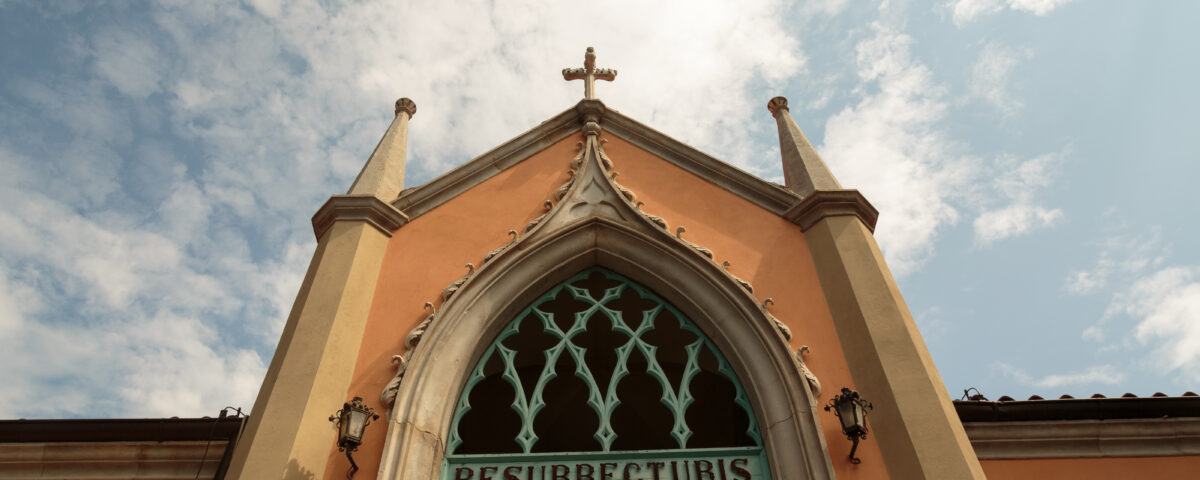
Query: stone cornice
[1141, 437]
[769, 196]
[829, 203]
[360, 208]
[418, 200]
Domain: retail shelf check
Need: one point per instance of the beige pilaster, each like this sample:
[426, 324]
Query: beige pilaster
[803, 170]
[383, 174]
[288, 434]
[913, 421]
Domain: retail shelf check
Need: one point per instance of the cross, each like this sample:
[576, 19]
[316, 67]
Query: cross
[589, 73]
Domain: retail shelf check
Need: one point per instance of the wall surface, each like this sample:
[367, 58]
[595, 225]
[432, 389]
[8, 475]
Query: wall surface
[100, 460]
[764, 249]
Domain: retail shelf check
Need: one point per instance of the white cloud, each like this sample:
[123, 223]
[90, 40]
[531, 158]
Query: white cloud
[153, 255]
[1153, 304]
[889, 145]
[932, 324]
[1166, 306]
[129, 61]
[965, 11]
[825, 7]
[105, 311]
[1012, 221]
[1017, 184]
[1099, 374]
[1121, 256]
[1036, 7]
[118, 311]
[991, 75]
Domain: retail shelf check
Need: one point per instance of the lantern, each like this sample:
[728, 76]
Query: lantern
[352, 421]
[851, 410]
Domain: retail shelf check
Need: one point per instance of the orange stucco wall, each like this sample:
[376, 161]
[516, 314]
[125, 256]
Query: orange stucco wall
[1093, 468]
[764, 249]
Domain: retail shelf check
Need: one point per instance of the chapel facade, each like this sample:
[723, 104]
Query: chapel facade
[596, 300]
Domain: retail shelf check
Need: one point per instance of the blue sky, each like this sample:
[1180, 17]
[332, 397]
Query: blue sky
[1032, 161]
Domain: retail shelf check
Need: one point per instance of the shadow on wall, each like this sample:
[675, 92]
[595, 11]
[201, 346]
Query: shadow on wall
[295, 472]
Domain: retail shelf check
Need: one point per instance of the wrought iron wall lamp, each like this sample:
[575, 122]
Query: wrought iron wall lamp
[352, 421]
[851, 410]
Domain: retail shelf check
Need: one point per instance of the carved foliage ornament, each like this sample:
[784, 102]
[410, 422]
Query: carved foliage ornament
[590, 189]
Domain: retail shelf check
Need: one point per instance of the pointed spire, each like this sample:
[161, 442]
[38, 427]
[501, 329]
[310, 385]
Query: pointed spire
[803, 170]
[383, 175]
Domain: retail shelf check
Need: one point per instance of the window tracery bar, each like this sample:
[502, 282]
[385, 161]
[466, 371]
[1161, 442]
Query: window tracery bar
[603, 400]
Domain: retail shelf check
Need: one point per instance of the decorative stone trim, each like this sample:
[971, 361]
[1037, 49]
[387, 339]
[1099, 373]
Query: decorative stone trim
[419, 424]
[769, 196]
[591, 111]
[776, 104]
[592, 220]
[418, 200]
[362, 208]
[1142, 437]
[814, 384]
[114, 459]
[406, 105]
[829, 203]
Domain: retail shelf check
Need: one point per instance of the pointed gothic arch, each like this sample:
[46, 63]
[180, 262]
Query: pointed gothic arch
[436, 374]
[597, 223]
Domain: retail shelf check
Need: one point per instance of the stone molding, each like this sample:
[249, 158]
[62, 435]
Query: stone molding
[418, 200]
[360, 208]
[1149, 437]
[829, 203]
[113, 459]
[420, 420]
[771, 197]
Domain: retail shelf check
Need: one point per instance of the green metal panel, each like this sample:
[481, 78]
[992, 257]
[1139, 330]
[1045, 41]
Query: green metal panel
[601, 399]
[739, 463]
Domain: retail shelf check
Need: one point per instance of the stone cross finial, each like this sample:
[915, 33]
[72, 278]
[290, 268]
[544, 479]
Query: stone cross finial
[589, 73]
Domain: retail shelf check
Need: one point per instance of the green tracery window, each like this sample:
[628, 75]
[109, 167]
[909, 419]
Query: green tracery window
[601, 364]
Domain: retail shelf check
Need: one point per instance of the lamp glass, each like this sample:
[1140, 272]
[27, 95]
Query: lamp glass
[859, 416]
[354, 421]
[850, 413]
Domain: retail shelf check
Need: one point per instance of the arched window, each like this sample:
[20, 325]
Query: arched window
[600, 378]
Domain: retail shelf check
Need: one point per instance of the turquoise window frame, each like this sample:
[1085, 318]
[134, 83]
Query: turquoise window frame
[602, 400]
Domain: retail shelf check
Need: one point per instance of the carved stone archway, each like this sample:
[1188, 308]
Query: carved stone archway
[596, 223]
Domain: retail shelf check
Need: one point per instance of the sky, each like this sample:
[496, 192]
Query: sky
[1032, 161]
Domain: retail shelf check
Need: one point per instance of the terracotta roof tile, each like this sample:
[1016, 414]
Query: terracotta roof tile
[1098, 407]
